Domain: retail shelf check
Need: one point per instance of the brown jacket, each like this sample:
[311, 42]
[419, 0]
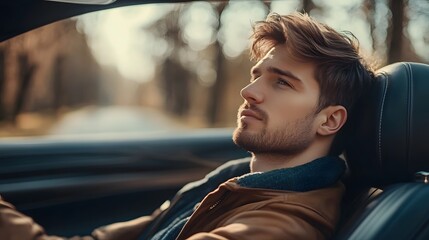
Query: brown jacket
[234, 212]
[229, 212]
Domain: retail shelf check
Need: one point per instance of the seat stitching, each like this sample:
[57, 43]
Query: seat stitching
[410, 106]
[381, 116]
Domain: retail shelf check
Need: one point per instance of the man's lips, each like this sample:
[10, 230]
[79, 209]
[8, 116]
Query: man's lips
[250, 113]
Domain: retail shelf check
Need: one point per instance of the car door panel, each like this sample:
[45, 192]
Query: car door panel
[71, 185]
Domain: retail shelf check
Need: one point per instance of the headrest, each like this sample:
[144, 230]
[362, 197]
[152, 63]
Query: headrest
[389, 139]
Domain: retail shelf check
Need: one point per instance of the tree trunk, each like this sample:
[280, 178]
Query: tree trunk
[395, 31]
[57, 83]
[26, 74]
[369, 9]
[219, 85]
[307, 6]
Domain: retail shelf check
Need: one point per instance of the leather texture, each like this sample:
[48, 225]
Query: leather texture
[387, 147]
[388, 143]
[400, 212]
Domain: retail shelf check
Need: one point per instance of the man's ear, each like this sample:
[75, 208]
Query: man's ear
[333, 118]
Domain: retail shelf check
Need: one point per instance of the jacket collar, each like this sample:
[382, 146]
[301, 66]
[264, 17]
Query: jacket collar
[319, 173]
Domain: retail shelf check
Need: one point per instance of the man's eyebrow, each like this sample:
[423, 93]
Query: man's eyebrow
[284, 73]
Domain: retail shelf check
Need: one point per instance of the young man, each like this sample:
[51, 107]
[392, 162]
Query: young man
[301, 92]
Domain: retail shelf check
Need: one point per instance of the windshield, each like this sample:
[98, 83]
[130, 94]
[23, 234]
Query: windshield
[166, 67]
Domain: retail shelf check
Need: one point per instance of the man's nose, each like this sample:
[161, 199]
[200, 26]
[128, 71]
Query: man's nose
[252, 93]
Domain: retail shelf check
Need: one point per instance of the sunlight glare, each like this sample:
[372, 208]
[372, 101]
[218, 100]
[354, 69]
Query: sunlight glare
[418, 30]
[237, 25]
[347, 16]
[280, 7]
[199, 22]
[121, 32]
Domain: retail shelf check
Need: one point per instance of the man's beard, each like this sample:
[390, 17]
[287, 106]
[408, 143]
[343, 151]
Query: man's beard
[290, 139]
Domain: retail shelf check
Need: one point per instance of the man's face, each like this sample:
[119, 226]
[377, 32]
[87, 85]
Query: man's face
[278, 112]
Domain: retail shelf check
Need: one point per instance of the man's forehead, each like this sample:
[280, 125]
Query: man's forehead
[281, 56]
[279, 60]
[268, 56]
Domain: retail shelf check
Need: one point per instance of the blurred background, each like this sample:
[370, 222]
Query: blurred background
[165, 67]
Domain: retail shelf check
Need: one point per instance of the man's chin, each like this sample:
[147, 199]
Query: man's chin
[242, 136]
[238, 132]
[241, 130]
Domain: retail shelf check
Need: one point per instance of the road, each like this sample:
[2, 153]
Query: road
[113, 119]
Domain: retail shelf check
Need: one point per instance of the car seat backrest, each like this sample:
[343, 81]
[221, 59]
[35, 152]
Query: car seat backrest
[387, 146]
[389, 142]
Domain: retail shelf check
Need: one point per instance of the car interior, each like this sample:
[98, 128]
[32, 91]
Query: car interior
[387, 158]
[97, 180]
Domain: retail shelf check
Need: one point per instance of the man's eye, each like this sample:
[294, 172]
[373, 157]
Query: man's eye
[283, 82]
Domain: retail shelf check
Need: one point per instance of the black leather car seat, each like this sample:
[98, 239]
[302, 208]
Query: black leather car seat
[388, 145]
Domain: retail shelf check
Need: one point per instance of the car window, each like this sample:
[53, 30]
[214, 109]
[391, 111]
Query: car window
[166, 67]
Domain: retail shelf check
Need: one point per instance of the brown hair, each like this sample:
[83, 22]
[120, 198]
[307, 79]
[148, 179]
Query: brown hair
[341, 72]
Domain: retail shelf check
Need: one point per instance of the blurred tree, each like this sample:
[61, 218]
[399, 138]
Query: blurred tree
[38, 80]
[218, 88]
[418, 12]
[368, 8]
[58, 72]
[176, 87]
[308, 5]
[267, 4]
[396, 29]
[400, 47]
[174, 76]
[26, 75]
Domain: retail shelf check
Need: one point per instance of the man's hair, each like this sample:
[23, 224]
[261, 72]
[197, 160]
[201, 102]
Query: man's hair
[342, 74]
[340, 71]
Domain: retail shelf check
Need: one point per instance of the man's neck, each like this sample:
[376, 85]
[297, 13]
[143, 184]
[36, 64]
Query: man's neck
[267, 161]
